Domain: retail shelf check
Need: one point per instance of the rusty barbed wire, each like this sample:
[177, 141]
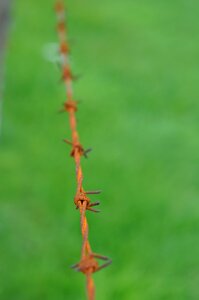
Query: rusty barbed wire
[89, 260]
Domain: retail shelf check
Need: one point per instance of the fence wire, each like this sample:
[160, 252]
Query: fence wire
[89, 262]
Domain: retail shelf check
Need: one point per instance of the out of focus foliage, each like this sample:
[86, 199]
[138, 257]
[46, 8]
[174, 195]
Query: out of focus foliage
[139, 112]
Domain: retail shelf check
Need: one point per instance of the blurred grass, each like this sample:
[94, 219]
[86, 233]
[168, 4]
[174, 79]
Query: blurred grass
[139, 112]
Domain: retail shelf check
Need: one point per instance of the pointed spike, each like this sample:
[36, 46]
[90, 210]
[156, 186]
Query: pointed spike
[87, 151]
[93, 210]
[67, 141]
[99, 256]
[94, 204]
[104, 265]
[93, 192]
[74, 266]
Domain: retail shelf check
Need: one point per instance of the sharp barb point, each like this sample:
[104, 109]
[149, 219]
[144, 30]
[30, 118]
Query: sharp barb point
[93, 192]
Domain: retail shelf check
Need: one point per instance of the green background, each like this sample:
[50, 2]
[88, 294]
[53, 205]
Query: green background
[139, 112]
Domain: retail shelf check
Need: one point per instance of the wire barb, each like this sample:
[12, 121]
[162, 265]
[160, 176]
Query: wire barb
[81, 197]
[90, 265]
[78, 147]
[89, 261]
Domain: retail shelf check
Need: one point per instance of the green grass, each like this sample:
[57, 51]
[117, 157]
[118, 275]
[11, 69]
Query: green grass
[139, 112]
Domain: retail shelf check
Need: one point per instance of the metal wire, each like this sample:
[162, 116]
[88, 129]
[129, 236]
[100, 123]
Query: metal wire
[89, 260]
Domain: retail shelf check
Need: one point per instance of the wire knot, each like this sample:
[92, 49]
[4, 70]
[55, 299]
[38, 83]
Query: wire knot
[67, 74]
[81, 197]
[59, 7]
[70, 105]
[78, 148]
[61, 26]
[64, 48]
[89, 264]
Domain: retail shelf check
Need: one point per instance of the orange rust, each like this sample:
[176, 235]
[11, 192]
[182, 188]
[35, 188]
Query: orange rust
[89, 260]
[90, 286]
[70, 105]
[61, 26]
[64, 48]
[88, 265]
[67, 74]
[59, 6]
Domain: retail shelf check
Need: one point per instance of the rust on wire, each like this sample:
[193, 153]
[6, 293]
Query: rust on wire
[89, 262]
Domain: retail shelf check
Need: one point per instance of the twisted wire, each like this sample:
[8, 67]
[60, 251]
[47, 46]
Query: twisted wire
[89, 260]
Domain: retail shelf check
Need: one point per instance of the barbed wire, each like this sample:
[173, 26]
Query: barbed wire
[89, 260]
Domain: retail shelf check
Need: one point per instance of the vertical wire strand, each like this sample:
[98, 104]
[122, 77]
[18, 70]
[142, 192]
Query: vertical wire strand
[88, 263]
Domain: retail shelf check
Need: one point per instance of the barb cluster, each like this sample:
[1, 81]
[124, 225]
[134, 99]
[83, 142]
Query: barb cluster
[89, 261]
